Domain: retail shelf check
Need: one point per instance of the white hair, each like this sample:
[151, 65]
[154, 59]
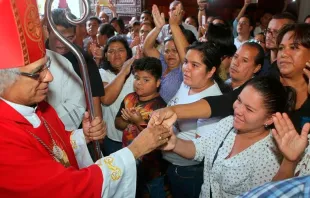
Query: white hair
[7, 78]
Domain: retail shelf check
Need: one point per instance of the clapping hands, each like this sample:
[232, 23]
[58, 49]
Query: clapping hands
[132, 115]
[159, 18]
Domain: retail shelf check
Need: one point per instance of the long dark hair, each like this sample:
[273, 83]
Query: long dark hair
[118, 38]
[301, 34]
[211, 57]
[222, 36]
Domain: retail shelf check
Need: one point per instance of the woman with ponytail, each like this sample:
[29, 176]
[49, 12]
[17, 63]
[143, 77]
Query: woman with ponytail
[239, 152]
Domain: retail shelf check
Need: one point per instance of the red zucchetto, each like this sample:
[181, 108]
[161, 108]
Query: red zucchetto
[21, 38]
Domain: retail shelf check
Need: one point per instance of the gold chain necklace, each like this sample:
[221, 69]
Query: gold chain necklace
[57, 153]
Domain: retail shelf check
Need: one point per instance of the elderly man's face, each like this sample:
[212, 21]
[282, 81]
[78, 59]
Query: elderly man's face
[26, 90]
[103, 17]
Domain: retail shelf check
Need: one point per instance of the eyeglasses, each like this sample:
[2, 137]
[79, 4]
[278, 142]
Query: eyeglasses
[168, 38]
[173, 51]
[243, 23]
[257, 41]
[40, 74]
[274, 33]
[114, 51]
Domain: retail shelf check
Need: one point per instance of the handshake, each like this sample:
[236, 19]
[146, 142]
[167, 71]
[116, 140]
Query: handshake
[157, 134]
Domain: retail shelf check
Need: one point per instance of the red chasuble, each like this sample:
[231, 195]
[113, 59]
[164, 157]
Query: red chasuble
[27, 169]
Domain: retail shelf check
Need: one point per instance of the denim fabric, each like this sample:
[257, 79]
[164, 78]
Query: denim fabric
[185, 181]
[156, 188]
[110, 146]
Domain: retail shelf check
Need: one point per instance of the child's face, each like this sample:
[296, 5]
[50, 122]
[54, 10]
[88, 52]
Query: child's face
[145, 84]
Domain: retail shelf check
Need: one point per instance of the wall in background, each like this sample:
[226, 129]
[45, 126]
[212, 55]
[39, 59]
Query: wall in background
[225, 8]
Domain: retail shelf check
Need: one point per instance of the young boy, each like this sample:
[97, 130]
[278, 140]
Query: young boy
[133, 117]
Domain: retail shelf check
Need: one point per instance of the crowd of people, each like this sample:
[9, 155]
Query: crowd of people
[184, 107]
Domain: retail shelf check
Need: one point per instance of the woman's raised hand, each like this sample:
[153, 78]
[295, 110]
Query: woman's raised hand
[176, 15]
[159, 18]
[291, 144]
[127, 65]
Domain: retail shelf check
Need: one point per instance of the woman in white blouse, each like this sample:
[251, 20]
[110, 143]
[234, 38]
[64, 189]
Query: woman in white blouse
[240, 152]
[118, 82]
[200, 79]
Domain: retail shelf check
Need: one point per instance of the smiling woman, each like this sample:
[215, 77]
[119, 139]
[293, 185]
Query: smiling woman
[238, 152]
[293, 54]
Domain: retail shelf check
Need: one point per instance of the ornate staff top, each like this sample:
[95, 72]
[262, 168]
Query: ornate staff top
[79, 56]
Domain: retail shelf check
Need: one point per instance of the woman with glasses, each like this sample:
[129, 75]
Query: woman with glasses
[118, 82]
[171, 58]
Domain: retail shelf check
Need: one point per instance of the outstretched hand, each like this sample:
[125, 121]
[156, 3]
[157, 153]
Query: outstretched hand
[291, 144]
[165, 116]
[176, 15]
[111, 6]
[159, 18]
[148, 140]
[247, 2]
[202, 3]
[127, 65]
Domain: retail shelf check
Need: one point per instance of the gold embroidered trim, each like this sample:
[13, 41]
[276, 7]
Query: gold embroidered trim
[32, 23]
[73, 142]
[116, 171]
[21, 33]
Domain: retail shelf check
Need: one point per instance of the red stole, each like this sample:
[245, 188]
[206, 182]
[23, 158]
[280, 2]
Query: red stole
[28, 170]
